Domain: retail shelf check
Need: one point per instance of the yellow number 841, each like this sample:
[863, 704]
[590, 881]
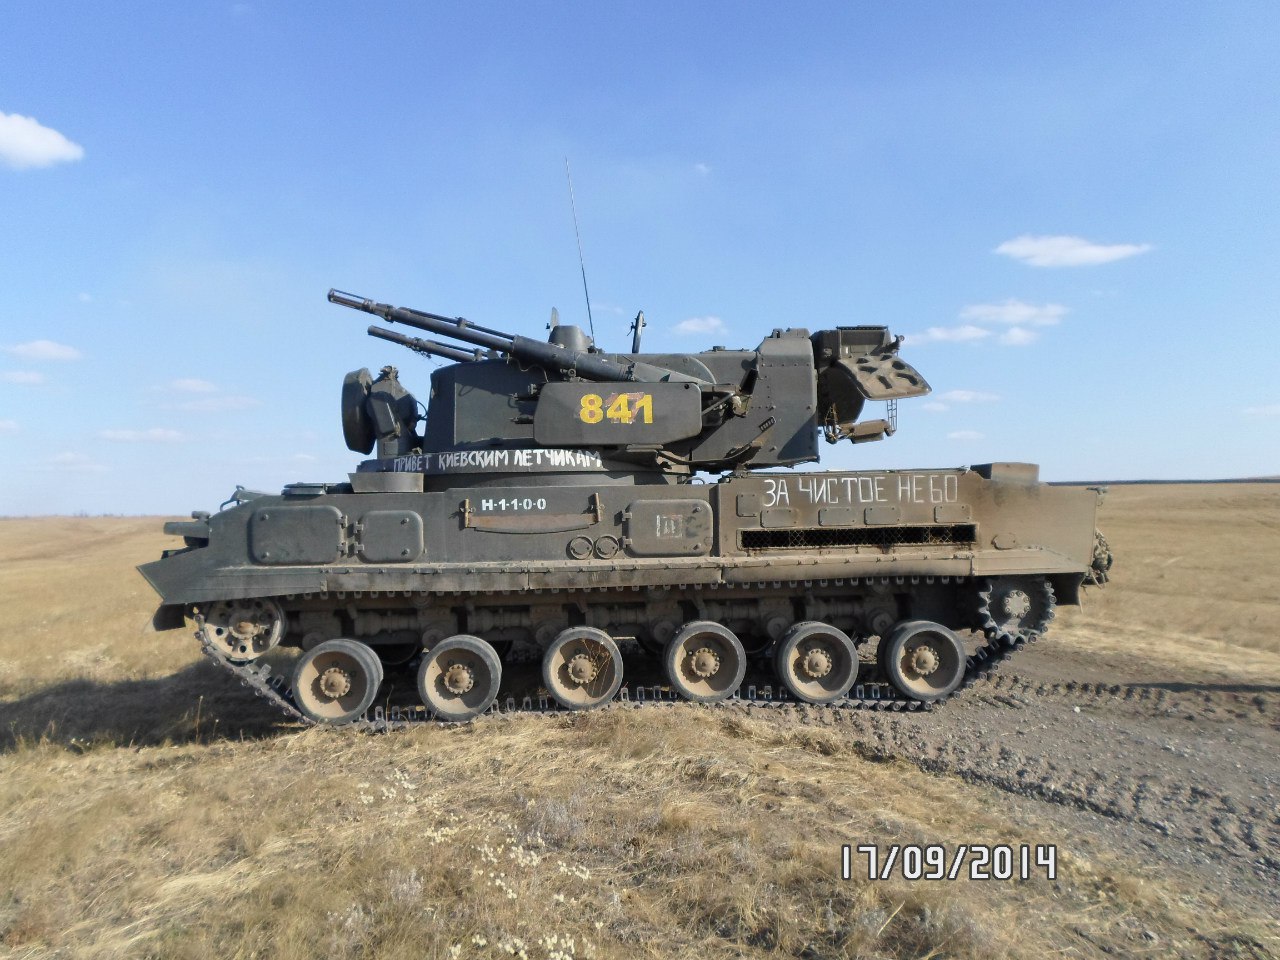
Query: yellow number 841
[619, 408]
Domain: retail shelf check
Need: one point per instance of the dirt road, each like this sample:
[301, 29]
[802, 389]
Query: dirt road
[1180, 772]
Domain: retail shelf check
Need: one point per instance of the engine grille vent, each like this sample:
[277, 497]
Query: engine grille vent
[815, 538]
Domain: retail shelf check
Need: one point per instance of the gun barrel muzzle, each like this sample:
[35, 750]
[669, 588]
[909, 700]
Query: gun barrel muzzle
[430, 347]
[349, 300]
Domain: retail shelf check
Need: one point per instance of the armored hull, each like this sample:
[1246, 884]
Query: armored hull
[451, 566]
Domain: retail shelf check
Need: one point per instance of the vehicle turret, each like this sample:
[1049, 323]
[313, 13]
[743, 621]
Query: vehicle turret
[661, 412]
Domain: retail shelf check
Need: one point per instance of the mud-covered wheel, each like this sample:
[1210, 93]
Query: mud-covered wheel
[582, 668]
[243, 630]
[923, 660]
[459, 678]
[705, 662]
[336, 682]
[816, 662]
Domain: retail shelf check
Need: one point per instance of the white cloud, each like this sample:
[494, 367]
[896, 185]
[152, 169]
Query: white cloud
[76, 463]
[969, 396]
[948, 334]
[85, 298]
[205, 396]
[304, 458]
[701, 325]
[8, 426]
[25, 143]
[933, 406]
[702, 168]
[1268, 410]
[1018, 337]
[1015, 312]
[21, 376]
[153, 435]
[599, 305]
[219, 403]
[192, 385]
[1064, 251]
[966, 435]
[44, 350]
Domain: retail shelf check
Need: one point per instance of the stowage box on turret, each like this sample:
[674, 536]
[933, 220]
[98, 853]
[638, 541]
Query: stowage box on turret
[552, 508]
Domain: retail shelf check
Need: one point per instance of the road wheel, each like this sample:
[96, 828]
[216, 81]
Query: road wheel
[336, 681]
[582, 668]
[705, 662]
[459, 678]
[816, 662]
[923, 660]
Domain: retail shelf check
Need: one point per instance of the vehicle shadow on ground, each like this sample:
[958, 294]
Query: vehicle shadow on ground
[194, 705]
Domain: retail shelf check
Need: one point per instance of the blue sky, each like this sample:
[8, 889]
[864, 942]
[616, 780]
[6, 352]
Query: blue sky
[1070, 209]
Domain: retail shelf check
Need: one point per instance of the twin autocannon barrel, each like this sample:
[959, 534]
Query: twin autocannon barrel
[553, 356]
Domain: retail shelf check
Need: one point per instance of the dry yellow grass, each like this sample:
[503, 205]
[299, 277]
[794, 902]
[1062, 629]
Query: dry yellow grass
[660, 833]
[149, 809]
[1197, 578]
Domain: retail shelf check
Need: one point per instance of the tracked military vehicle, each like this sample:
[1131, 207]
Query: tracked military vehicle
[558, 505]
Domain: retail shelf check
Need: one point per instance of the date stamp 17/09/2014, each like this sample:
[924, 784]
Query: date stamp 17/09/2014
[976, 861]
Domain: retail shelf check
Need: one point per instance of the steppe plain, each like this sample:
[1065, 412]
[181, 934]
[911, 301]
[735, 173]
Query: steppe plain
[151, 808]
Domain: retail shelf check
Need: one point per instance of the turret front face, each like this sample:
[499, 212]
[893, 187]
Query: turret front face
[487, 404]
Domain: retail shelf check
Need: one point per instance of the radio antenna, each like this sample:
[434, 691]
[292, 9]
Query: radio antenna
[581, 263]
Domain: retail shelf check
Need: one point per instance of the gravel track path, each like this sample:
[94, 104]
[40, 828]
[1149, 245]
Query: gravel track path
[1182, 773]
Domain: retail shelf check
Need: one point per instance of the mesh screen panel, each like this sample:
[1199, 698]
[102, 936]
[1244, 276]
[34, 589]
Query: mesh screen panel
[815, 538]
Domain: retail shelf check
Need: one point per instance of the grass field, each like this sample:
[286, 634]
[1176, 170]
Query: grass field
[148, 808]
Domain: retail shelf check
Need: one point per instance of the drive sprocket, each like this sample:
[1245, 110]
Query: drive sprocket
[1015, 608]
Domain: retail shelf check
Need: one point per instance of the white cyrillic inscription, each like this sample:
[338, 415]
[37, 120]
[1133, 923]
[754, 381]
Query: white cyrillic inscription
[776, 493]
[845, 490]
[463, 461]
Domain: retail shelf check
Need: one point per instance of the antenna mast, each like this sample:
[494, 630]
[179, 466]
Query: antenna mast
[581, 263]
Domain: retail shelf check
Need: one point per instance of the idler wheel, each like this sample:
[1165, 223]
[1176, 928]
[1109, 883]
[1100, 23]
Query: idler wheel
[243, 630]
[582, 668]
[459, 678]
[923, 660]
[336, 681]
[705, 662]
[816, 662]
